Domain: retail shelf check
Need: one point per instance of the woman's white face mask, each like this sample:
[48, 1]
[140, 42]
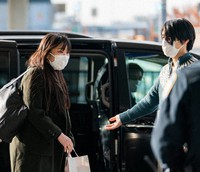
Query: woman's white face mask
[170, 50]
[60, 61]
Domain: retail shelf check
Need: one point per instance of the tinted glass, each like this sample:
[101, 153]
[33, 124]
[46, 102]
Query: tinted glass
[4, 67]
[79, 72]
[76, 74]
[144, 73]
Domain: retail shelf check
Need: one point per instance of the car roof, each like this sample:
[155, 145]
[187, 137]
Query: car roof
[33, 37]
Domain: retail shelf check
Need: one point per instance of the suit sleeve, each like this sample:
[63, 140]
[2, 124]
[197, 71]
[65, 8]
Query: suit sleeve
[168, 134]
[38, 116]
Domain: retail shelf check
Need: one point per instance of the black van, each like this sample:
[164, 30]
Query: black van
[99, 88]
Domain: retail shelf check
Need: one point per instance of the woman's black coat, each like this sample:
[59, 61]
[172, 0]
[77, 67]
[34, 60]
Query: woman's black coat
[36, 149]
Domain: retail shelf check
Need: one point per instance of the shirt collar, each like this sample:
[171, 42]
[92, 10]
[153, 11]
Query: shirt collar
[180, 61]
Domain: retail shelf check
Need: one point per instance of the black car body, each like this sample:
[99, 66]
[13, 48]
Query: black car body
[98, 81]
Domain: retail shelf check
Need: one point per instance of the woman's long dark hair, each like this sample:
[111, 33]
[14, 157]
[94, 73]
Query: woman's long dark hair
[54, 80]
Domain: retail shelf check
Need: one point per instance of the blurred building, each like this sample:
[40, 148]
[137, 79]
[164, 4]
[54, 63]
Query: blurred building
[26, 14]
[107, 18]
[192, 13]
[197, 41]
[122, 19]
[40, 15]
[3, 14]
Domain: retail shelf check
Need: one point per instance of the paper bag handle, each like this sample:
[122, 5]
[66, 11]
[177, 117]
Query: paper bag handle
[74, 152]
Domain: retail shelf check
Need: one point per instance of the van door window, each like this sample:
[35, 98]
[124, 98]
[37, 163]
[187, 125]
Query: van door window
[142, 72]
[9, 60]
[76, 74]
[4, 68]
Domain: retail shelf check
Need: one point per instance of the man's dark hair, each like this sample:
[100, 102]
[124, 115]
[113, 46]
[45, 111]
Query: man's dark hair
[180, 29]
[135, 71]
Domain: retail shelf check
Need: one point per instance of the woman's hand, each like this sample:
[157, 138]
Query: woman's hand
[116, 123]
[66, 142]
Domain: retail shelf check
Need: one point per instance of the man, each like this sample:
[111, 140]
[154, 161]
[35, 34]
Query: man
[135, 76]
[178, 36]
[176, 136]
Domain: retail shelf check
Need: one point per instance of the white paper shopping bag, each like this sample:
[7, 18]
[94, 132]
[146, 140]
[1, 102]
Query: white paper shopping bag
[77, 164]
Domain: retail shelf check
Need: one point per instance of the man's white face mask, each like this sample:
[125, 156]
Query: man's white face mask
[60, 61]
[170, 50]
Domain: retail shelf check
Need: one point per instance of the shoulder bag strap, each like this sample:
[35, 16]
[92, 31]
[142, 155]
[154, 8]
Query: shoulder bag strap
[14, 80]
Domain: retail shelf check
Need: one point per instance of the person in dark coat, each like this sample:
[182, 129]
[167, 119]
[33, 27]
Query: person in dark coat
[175, 137]
[178, 36]
[45, 137]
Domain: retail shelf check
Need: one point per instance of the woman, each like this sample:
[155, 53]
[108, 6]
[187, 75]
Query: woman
[178, 37]
[46, 135]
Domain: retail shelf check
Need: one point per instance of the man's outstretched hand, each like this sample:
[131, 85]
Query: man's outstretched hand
[115, 123]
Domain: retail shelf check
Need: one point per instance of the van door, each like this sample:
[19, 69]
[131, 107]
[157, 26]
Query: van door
[9, 68]
[9, 61]
[133, 138]
[88, 75]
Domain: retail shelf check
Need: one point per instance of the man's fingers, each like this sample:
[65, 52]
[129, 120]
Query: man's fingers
[112, 119]
[110, 127]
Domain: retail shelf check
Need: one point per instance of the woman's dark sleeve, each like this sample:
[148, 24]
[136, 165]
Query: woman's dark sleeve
[37, 116]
